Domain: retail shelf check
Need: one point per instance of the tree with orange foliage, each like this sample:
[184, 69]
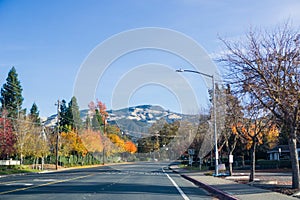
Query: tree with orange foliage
[253, 130]
[102, 110]
[130, 147]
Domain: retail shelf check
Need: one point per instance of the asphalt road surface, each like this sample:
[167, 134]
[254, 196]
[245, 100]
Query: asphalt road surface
[143, 180]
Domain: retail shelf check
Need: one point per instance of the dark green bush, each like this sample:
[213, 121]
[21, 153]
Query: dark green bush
[273, 164]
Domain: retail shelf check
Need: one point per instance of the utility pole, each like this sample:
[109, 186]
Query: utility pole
[57, 134]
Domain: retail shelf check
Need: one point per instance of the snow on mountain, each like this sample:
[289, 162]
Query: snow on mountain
[135, 120]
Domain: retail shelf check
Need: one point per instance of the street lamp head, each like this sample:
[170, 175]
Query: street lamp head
[179, 70]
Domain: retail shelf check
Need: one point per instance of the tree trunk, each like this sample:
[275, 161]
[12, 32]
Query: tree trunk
[33, 164]
[243, 160]
[295, 162]
[43, 162]
[103, 156]
[230, 169]
[21, 159]
[252, 172]
[36, 163]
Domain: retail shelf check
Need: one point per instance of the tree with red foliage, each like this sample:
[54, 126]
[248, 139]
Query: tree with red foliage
[7, 137]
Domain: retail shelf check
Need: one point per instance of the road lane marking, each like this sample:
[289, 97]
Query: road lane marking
[134, 173]
[22, 184]
[44, 180]
[21, 181]
[176, 186]
[44, 184]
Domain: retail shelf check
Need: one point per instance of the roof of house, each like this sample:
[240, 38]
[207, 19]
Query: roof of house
[283, 148]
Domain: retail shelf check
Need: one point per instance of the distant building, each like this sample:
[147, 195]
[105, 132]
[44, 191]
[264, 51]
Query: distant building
[281, 152]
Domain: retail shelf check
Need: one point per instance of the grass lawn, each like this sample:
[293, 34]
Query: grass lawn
[6, 170]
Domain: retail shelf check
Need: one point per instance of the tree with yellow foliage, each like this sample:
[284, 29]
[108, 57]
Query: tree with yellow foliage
[92, 141]
[72, 144]
[119, 142]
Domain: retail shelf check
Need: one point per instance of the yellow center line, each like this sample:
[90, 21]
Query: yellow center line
[44, 184]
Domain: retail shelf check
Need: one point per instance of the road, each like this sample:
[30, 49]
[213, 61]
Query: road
[142, 180]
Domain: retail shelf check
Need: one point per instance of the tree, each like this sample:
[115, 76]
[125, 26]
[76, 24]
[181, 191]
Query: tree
[113, 129]
[73, 114]
[7, 137]
[87, 123]
[144, 145]
[253, 129]
[99, 115]
[130, 147]
[41, 147]
[92, 141]
[102, 109]
[64, 120]
[34, 114]
[71, 144]
[99, 122]
[233, 117]
[24, 139]
[119, 142]
[11, 94]
[96, 120]
[70, 116]
[266, 67]
[32, 141]
[161, 137]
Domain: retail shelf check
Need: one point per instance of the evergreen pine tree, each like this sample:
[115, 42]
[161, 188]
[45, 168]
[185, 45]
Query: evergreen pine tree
[34, 114]
[96, 120]
[64, 120]
[73, 114]
[88, 122]
[11, 94]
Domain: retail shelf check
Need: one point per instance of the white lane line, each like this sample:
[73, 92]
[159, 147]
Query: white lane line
[45, 184]
[176, 186]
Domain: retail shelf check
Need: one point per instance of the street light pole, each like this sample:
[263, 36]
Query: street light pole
[214, 113]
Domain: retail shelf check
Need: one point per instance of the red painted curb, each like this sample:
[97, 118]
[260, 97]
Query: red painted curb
[219, 193]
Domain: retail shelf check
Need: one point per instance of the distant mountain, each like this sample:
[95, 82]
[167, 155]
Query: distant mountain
[135, 121]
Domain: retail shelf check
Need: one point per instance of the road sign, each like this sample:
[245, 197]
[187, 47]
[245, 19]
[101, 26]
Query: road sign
[191, 151]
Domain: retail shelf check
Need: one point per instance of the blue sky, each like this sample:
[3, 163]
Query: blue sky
[47, 41]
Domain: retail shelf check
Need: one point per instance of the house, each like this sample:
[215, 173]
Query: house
[281, 152]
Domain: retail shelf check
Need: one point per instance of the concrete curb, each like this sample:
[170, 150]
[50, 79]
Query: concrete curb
[219, 193]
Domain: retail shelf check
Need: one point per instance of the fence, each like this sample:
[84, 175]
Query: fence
[9, 162]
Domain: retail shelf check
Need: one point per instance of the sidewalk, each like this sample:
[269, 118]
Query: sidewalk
[227, 189]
